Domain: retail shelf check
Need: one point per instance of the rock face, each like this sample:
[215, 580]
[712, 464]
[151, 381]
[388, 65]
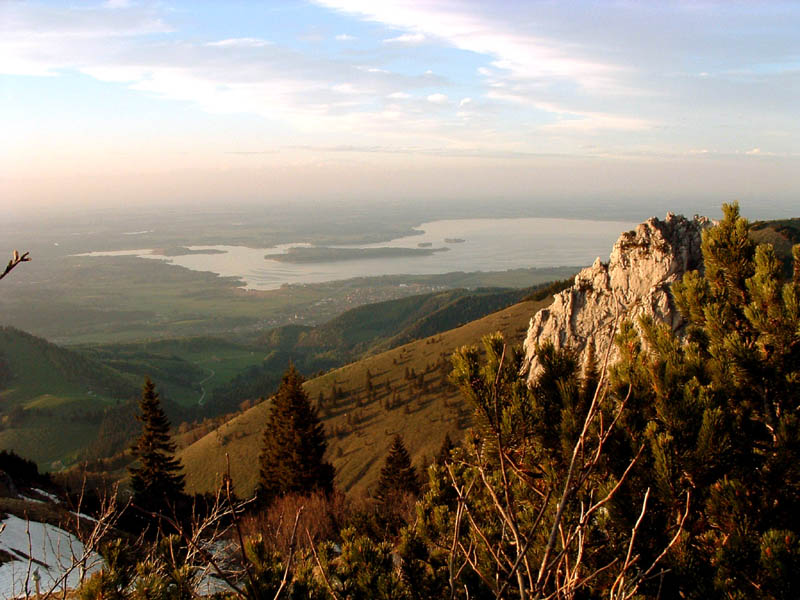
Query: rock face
[636, 280]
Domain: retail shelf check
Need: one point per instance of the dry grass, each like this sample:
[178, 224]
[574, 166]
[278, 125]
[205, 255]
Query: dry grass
[360, 427]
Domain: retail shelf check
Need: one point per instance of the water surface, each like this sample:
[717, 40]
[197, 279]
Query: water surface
[489, 245]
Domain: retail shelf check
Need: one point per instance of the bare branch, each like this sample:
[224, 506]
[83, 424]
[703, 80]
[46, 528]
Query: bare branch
[321, 568]
[285, 579]
[16, 259]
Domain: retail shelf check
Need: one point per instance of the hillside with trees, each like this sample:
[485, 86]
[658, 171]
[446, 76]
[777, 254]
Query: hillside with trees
[91, 389]
[672, 472]
[362, 405]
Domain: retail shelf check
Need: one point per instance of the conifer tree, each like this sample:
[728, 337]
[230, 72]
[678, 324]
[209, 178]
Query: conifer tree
[157, 481]
[720, 415]
[397, 485]
[293, 452]
[446, 450]
[398, 476]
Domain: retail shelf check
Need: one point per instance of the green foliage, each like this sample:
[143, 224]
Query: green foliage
[488, 511]
[398, 475]
[364, 569]
[293, 451]
[23, 472]
[266, 569]
[398, 484]
[113, 580]
[156, 482]
[720, 416]
[445, 453]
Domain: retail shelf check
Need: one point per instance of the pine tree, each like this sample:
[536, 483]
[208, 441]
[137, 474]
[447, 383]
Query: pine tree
[398, 476]
[446, 451]
[293, 452]
[157, 481]
[397, 486]
[720, 417]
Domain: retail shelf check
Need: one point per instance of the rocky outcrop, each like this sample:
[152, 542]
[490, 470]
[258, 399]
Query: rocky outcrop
[636, 280]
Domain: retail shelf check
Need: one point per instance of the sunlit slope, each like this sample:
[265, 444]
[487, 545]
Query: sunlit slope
[361, 331]
[360, 426]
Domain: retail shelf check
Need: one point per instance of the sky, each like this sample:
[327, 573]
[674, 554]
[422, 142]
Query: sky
[134, 101]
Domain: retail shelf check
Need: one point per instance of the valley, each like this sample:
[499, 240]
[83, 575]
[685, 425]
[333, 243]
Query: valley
[376, 373]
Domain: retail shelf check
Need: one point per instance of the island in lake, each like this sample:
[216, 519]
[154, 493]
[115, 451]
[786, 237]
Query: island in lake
[454, 240]
[328, 254]
[183, 251]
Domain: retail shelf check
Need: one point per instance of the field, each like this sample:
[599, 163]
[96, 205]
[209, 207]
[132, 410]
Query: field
[186, 369]
[83, 300]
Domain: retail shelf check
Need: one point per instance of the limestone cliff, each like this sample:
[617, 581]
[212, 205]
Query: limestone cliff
[636, 280]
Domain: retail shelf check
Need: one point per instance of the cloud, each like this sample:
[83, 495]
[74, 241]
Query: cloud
[591, 122]
[466, 26]
[349, 88]
[515, 83]
[344, 37]
[372, 69]
[39, 40]
[525, 65]
[244, 42]
[572, 120]
[407, 39]
[220, 76]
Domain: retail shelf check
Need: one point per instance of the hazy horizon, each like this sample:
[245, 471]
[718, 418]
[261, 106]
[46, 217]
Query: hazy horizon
[136, 103]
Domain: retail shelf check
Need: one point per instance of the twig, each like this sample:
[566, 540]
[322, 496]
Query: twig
[16, 259]
[207, 556]
[577, 448]
[285, 579]
[236, 524]
[321, 568]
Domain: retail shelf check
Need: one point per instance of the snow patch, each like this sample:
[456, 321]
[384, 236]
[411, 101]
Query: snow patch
[53, 551]
[52, 497]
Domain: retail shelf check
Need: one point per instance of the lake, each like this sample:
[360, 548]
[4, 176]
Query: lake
[488, 245]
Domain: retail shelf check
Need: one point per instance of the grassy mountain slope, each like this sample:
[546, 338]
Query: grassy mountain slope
[359, 331]
[360, 427]
[782, 234]
[455, 313]
[359, 328]
[52, 398]
[58, 402]
[36, 367]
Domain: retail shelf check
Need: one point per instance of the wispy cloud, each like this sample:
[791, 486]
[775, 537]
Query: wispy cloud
[546, 74]
[407, 39]
[244, 42]
[476, 28]
[459, 76]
